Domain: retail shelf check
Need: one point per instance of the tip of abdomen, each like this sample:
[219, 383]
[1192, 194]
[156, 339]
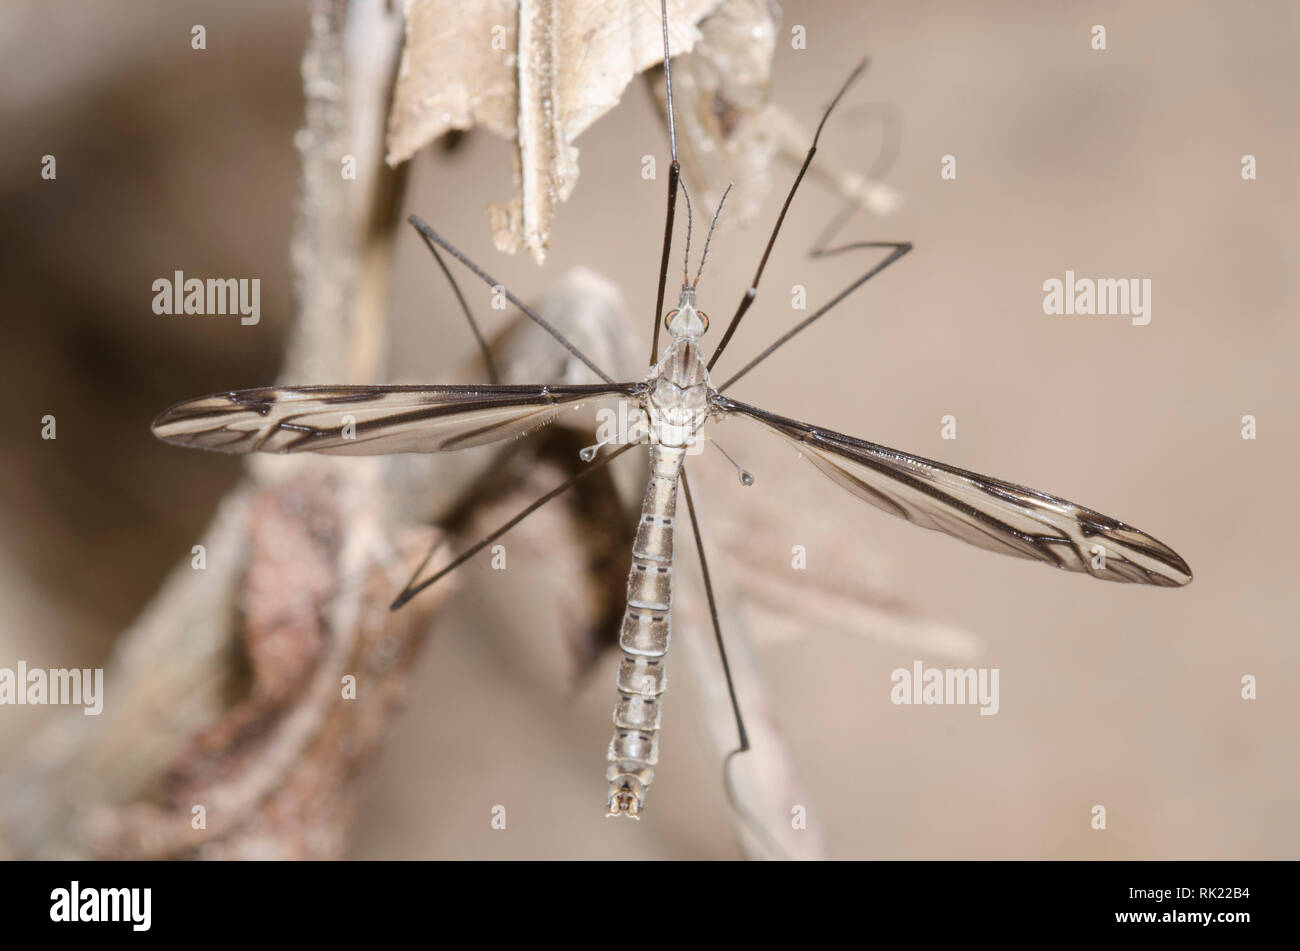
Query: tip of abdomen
[626, 794]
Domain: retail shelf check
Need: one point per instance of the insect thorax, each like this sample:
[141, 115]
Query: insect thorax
[678, 403]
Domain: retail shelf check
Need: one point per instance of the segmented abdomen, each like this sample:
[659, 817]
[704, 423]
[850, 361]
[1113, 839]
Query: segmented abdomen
[647, 625]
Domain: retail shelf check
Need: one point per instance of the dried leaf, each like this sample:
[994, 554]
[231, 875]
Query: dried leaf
[728, 130]
[538, 72]
[720, 94]
[455, 73]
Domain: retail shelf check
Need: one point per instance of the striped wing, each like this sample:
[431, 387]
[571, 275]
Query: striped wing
[371, 420]
[983, 511]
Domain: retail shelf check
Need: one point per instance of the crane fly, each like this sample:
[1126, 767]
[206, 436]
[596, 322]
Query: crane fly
[678, 399]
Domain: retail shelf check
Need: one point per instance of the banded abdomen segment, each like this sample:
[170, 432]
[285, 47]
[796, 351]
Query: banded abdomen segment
[647, 626]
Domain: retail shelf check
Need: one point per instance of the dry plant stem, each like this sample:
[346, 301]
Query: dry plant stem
[277, 775]
[132, 785]
[168, 677]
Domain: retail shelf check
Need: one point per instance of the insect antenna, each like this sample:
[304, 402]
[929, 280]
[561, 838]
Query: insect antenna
[428, 233]
[412, 589]
[752, 292]
[743, 735]
[709, 237]
[483, 347]
[690, 221]
[674, 175]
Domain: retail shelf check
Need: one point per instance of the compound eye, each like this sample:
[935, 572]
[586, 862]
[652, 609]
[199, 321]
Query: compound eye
[704, 317]
[668, 318]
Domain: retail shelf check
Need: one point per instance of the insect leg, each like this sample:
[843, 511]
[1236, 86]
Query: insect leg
[493, 377]
[412, 589]
[532, 315]
[897, 250]
[755, 827]
[891, 122]
[674, 175]
[752, 292]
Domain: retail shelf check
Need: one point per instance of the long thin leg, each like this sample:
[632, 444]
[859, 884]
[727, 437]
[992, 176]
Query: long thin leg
[743, 735]
[674, 175]
[713, 614]
[493, 377]
[891, 127]
[891, 141]
[835, 225]
[752, 292]
[891, 123]
[536, 318]
[899, 248]
[412, 589]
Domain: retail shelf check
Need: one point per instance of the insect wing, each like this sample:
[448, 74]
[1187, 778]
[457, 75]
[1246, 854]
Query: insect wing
[995, 515]
[370, 420]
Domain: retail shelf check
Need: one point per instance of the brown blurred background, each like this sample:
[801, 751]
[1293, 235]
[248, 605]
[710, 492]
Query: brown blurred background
[1122, 163]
